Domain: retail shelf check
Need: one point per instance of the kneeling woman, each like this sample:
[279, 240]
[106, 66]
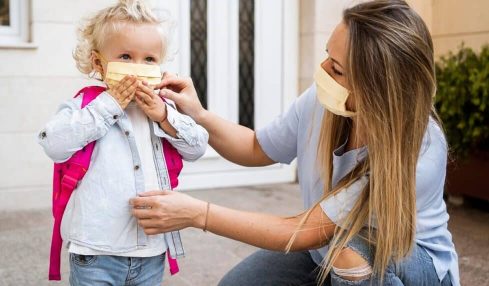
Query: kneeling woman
[371, 161]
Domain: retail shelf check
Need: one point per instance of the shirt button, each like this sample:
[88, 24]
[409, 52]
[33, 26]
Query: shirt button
[136, 167]
[127, 133]
[115, 116]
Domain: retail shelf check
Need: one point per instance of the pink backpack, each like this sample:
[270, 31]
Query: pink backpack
[67, 175]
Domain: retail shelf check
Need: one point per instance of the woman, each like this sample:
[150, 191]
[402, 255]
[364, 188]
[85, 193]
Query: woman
[371, 164]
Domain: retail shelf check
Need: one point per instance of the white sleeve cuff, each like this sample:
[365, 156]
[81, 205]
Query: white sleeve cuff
[184, 125]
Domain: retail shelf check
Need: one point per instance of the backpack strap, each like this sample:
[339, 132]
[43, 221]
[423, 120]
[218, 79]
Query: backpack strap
[172, 262]
[174, 166]
[65, 179]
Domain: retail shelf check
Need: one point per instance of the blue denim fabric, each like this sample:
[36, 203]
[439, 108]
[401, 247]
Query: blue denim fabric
[270, 268]
[97, 270]
[417, 269]
[115, 174]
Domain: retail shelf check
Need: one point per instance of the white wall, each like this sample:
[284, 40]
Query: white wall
[318, 18]
[33, 82]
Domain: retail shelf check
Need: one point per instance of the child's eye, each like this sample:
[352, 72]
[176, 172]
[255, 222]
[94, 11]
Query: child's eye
[125, 57]
[150, 59]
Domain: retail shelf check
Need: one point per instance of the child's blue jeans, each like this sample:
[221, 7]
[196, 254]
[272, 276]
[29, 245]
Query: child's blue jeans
[95, 270]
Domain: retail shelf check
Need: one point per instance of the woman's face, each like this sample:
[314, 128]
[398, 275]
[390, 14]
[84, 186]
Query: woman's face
[335, 64]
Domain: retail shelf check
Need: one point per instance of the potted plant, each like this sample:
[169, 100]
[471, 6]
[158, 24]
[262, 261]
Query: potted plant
[462, 102]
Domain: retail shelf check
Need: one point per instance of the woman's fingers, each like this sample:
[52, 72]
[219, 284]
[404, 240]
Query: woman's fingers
[152, 231]
[166, 211]
[176, 84]
[142, 202]
[169, 75]
[143, 214]
[171, 95]
[148, 199]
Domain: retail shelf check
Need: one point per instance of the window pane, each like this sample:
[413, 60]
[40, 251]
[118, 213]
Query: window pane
[4, 13]
[246, 62]
[198, 47]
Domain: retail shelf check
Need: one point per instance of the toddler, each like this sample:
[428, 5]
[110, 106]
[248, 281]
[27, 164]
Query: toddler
[135, 132]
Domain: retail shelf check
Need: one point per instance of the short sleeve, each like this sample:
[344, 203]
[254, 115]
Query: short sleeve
[279, 139]
[338, 206]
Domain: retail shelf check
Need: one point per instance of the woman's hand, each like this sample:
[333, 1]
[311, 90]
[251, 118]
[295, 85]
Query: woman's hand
[234, 142]
[183, 93]
[123, 92]
[150, 103]
[164, 211]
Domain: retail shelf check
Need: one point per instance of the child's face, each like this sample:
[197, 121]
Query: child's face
[131, 43]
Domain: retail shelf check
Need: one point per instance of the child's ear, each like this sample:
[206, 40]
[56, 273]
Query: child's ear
[97, 63]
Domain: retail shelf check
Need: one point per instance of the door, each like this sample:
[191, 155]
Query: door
[242, 56]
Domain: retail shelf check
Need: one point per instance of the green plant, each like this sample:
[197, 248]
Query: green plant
[462, 99]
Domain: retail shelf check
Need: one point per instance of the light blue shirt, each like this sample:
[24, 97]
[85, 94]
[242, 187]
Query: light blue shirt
[295, 134]
[98, 215]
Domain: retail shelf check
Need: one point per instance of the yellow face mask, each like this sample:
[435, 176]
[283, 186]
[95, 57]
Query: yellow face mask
[331, 94]
[116, 71]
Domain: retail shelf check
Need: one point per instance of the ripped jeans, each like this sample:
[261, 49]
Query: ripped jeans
[271, 268]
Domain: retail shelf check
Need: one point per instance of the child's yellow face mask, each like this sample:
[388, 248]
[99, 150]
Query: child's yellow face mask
[118, 70]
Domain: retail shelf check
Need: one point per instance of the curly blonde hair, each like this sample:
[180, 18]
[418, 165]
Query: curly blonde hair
[92, 32]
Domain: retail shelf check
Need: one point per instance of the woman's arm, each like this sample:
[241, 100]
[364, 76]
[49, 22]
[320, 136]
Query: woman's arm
[234, 142]
[163, 211]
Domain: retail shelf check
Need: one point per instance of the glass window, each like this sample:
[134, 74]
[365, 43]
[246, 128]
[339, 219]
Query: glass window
[246, 62]
[4, 13]
[198, 48]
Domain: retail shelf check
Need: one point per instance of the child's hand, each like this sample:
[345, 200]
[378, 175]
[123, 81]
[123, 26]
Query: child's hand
[123, 92]
[150, 103]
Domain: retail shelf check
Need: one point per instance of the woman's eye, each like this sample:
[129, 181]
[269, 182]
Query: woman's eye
[337, 71]
[125, 57]
[150, 59]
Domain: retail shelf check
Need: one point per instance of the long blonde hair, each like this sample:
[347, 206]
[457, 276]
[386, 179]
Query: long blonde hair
[390, 68]
[93, 32]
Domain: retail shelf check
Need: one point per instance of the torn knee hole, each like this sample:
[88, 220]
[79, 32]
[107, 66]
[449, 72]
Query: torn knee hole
[351, 266]
[355, 273]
